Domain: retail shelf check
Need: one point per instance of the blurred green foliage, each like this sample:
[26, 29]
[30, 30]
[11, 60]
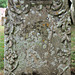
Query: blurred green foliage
[3, 3]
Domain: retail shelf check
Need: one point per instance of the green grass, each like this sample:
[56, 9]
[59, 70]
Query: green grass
[1, 47]
[73, 46]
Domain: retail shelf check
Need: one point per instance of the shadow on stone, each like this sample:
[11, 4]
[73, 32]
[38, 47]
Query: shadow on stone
[72, 73]
[34, 73]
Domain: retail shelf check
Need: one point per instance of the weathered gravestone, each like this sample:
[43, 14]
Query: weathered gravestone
[73, 10]
[37, 37]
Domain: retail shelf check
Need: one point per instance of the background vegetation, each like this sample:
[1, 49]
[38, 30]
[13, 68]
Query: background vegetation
[1, 47]
[3, 3]
[73, 46]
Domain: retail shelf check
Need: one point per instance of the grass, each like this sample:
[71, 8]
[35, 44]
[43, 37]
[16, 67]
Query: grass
[73, 46]
[2, 47]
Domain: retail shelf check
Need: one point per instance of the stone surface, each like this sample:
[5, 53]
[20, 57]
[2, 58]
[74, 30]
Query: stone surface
[37, 38]
[73, 10]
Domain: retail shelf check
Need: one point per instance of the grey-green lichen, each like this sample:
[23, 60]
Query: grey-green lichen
[37, 37]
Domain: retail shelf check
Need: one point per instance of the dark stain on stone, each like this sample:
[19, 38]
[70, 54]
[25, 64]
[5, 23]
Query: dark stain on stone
[69, 3]
[23, 73]
[34, 73]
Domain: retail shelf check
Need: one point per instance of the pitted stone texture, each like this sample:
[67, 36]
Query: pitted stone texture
[37, 38]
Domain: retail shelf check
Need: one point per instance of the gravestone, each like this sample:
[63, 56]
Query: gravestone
[73, 10]
[37, 37]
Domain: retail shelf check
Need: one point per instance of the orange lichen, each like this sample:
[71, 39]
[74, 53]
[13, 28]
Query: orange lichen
[43, 24]
[47, 24]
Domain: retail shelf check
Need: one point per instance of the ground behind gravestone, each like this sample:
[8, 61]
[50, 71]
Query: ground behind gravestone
[72, 51]
[1, 49]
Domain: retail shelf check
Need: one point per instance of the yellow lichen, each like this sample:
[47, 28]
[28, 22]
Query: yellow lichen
[17, 6]
[47, 24]
[57, 13]
[43, 40]
[8, 4]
